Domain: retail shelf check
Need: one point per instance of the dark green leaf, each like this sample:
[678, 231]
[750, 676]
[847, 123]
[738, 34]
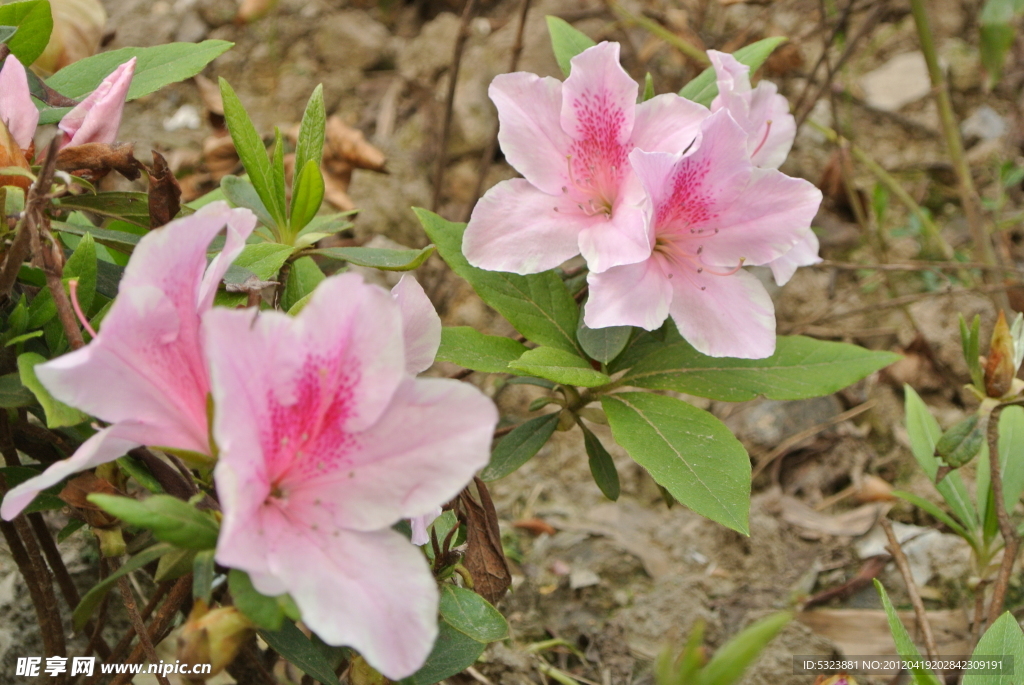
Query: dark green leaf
[83, 266]
[307, 195]
[117, 240]
[294, 646]
[732, 659]
[453, 653]
[539, 306]
[13, 394]
[687, 450]
[800, 368]
[174, 565]
[171, 519]
[704, 88]
[471, 349]
[559, 366]
[516, 448]
[904, 644]
[140, 472]
[203, 571]
[469, 613]
[603, 344]
[252, 153]
[241, 193]
[93, 597]
[264, 259]
[378, 258]
[310, 146]
[34, 22]
[566, 42]
[262, 610]
[57, 413]
[6, 32]
[303, 277]
[124, 205]
[1003, 639]
[602, 466]
[69, 530]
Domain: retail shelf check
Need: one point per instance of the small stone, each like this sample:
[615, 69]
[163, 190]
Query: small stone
[187, 116]
[351, 39]
[985, 123]
[581, 578]
[191, 28]
[898, 82]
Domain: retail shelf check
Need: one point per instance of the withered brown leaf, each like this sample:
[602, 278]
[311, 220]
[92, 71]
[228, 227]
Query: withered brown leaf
[93, 161]
[485, 558]
[76, 494]
[164, 192]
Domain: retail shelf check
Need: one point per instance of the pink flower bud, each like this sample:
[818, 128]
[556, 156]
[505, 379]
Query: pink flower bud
[97, 117]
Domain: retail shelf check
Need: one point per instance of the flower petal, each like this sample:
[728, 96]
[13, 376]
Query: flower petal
[732, 316]
[420, 524]
[239, 223]
[421, 326]
[599, 98]
[804, 253]
[530, 131]
[631, 295]
[515, 227]
[668, 123]
[16, 107]
[97, 118]
[621, 238]
[772, 139]
[107, 445]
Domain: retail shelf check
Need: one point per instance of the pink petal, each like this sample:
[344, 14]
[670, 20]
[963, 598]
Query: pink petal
[146, 365]
[668, 123]
[630, 295]
[732, 317]
[515, 227]
[530, 133]
[16, 108]
[775, 131]
[804, 253]
[420, 524]
[622, 238]
[773, 216]
[107, 445]
[239, 224]
[732, 75]
[435, 435]
[421, 326]
[97, 118]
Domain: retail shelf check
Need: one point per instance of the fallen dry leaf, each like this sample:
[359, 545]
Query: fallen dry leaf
[164, 193]
[535, 526]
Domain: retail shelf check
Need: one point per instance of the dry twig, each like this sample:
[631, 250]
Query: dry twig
[915, 598]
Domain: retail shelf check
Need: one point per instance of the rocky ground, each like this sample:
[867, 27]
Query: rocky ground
[616, 581]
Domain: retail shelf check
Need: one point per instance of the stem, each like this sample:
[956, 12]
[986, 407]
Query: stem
[1011, 541]
[140, 628]
[19, 251]
[179, 597]
[915, 598]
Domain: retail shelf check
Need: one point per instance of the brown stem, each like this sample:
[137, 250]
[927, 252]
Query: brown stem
[915, 598]
[1011, 541]
[170, 480]
[179, 596]
[249, 668]
[460, 43]
[18, 253]
[121, 648]
[140, 628]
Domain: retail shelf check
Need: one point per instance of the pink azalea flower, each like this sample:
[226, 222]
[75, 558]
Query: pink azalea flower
[764, 115]
[326, 440]
[17, 110]
[97, 118]
[710, 212]
[144, 373]
[571, 142]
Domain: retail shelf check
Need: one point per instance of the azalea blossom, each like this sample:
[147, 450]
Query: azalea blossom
[710, 212]
[764, 115]
[94, 120]
[144, 372]
[326, 440]
[571, 142]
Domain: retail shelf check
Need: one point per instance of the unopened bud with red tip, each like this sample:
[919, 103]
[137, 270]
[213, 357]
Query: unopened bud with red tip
[1000, 366]
[213, 636]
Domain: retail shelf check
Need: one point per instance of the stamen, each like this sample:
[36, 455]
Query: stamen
[767, 130]
[73, 287]
[726, 273]
[572, 178]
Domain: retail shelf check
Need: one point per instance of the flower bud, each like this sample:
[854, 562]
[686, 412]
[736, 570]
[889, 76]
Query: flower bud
[999, 363]
[213, 637]
[961, 443]
[12, 156]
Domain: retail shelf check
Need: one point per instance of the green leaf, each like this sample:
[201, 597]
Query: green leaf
[241, 193]
[93, 597]
[82, 265]
[262, 610]
[124, 205]
[121, 241]
[171, 519]
[58, 414]
[924, 433]
[471, 614]
[997, 33]
[566, 42]
[453, 653]
[1003, 638]
[800, 368]
[904, 645]
[602, 467]
[516, 448]
[471, 349]
[13, 394]
[294, 646]
[559, 366]
[378, 258]
[648, 88]
[140, 472]
[1011, 448]
[732, 659]
[34, 22]
[264, 259]
[6, 32]
[310, 146]
[175, 564]
[539, 306]
[203, 571]
[307, 195]
[155, 68]
[933, 509]
[303, 277]
[252, 153]
[69, 530]
[969, 340]
[687, 451]
[704, 88]
[603, 344]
